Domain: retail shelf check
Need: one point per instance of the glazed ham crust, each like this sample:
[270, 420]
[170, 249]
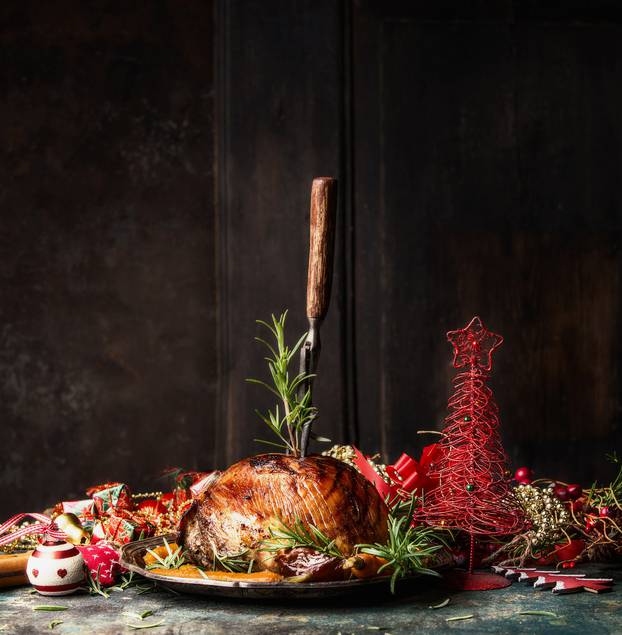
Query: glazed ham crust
[235, 513]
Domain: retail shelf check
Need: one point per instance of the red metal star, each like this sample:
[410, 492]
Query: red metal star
[473, 345]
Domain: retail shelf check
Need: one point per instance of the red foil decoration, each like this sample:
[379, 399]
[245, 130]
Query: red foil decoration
[473, 492]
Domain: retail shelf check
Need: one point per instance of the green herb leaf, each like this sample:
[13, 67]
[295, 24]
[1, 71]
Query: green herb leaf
[49, 607]
[145, 614]
[459, 617]
[543, 613]
[297, 408]
[441, 605]
[54, 623]
[173, 560]
[299, 535]
[409, 548]
[141, 626]
[234, 563]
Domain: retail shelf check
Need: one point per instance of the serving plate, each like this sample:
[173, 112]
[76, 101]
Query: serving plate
[132, 557]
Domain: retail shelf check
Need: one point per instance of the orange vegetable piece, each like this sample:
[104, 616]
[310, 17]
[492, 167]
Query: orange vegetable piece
[365, 565]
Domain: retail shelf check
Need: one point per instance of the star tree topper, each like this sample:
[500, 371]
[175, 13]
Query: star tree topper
[473, 345]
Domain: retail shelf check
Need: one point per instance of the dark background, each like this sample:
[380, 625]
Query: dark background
[154, 185]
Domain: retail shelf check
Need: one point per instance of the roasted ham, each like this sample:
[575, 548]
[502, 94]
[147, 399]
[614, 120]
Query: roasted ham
[235, 513]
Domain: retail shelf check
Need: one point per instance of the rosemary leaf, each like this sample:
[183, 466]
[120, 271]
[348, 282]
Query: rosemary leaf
[50, 607]
[459, 617]
[54, 623]
[141, 626]
[145, 614]
[285, 537]
[409, 548]
[543, 613]
[441, 605]
[297, 410]
[174, 560]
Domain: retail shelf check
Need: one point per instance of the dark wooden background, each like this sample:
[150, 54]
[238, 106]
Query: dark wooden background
[155, 174]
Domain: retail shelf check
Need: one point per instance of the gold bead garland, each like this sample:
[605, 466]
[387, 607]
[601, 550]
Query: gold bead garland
[346, 454]
[25, 543]
[145, 495]
[546, 512]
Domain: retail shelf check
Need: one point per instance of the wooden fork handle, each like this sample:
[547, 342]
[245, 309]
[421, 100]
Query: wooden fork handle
[321, 246]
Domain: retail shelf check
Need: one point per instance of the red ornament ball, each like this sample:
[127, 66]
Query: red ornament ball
[574, 491]
[523, 475]
[561, 492]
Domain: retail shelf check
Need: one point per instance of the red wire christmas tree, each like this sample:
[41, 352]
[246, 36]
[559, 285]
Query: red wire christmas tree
[474, 492]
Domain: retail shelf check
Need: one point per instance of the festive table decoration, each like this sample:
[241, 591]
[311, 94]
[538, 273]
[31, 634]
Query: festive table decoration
[56, 567]
[567, 524]
[102, 562]
[558, 582]
[111, 496]
[460, 483]
[15, 528]
[473, 493]
[402, 479]
[73, 529]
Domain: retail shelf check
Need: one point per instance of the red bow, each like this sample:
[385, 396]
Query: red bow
[406, 474]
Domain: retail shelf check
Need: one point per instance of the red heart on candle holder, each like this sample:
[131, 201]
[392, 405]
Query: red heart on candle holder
[35, 572]
[62, 573]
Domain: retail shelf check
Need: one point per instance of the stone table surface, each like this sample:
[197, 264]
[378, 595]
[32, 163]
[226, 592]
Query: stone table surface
[493, 612]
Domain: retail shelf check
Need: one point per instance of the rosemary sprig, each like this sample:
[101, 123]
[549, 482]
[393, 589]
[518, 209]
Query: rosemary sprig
[406, 551]
[173, 560]
[458, 618]
[94, 585]
[299, 535]
[610, 495]
[138, 627]
[297, 410]
[234, 563]
[409, 547]
[543, 613]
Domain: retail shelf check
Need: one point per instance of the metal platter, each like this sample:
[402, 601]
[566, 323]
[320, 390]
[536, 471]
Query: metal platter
[132, 558]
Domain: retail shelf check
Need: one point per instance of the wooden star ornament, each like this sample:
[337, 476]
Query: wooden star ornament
[558, 582]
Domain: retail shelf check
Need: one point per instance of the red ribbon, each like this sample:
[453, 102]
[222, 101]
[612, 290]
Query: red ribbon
[45, 525]
[406, 473]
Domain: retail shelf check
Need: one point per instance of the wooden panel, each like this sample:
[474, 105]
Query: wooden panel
[486, 182]
[281, 125]
[107, 294]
